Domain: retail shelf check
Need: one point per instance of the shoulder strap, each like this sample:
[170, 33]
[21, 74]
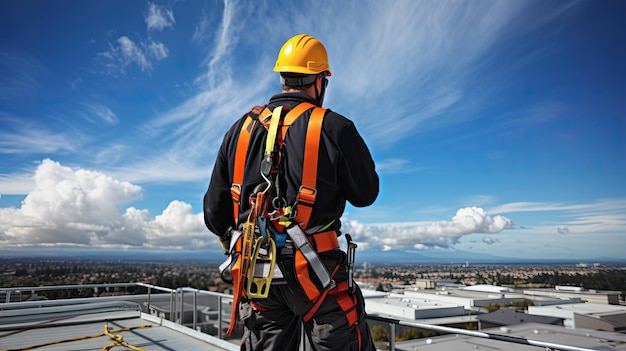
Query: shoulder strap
[307, 192]
[241, 153]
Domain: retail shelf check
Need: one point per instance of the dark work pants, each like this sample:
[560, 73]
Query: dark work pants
[275, 323]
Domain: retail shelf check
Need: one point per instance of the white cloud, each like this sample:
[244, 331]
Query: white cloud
[420, 235]
[125, 52]
[159, 17]
[489, 240]
[142, 52]
[179, 227]
[157, 50]
[80, 207]
[130, 52]
[84, 208]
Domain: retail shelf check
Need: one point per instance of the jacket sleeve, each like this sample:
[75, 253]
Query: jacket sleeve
[218, 204]
[357, 171]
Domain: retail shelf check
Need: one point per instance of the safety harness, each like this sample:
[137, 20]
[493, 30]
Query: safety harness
[253, 248]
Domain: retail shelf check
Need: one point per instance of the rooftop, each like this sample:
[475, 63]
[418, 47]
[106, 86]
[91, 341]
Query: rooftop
[95, 324]
[582, 338]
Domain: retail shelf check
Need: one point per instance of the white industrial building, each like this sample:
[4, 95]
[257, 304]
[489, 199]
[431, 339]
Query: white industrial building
[575, 292]
[411, 308]
[582, 338]
[585, 315]
[470, 297]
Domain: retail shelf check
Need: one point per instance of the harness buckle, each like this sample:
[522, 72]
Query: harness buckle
[307, 198]
[235, 192]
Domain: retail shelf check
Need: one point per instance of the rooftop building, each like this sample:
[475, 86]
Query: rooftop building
[507, 316]
[583, 339]
[471, 298]
[410, 308]
[586, 315]
[574, 292]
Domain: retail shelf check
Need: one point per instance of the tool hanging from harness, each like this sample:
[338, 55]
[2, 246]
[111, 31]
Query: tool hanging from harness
[255, 245]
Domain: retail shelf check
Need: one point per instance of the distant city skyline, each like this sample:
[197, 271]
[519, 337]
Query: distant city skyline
[497, 127]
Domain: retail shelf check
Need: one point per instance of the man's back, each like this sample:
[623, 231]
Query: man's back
[345, 168]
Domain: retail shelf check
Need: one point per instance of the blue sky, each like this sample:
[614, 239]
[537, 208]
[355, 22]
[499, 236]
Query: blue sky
[497, 127]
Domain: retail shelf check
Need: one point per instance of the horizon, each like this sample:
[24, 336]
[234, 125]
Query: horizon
[497, 128]
[213, 258]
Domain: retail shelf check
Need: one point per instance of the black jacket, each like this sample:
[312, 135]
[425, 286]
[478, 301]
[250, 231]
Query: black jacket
[345, 168]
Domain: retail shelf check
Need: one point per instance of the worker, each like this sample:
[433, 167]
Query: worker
[285, 183]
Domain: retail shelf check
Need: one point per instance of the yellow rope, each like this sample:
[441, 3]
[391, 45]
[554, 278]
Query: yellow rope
[106, 333]
[119, 340]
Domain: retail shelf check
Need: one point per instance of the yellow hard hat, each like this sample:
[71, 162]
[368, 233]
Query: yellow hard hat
[302, 54]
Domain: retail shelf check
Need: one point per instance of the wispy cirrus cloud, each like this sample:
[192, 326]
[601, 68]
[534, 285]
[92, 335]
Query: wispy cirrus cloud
[16, 183]
[600, 216]
[98, 112]
[225, 39]
[424, 59]
[19, 74]
[396, 166]
[125, 52]
[421, 58]
[599, 206]
[220, 99]
[21, 136]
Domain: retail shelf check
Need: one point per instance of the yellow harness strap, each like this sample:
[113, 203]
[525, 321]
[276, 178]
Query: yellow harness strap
[273, 130]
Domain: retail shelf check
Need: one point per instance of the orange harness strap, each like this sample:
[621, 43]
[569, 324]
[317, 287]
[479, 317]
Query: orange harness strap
[324, 241]
[241, 152]
[307, 192]
[291, 116]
